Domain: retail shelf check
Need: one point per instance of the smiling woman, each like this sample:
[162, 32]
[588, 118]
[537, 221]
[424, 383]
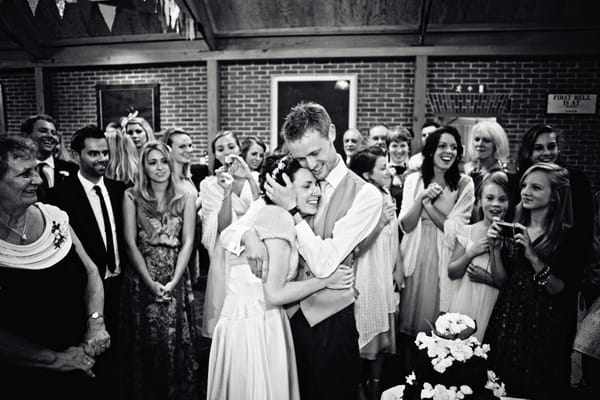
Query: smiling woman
[49, 285]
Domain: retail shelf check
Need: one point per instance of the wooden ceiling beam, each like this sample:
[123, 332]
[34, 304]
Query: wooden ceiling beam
[199, 10]
[165, 52]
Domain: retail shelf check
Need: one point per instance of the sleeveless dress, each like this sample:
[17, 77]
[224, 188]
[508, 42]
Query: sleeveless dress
[474, 299]
[252, 352]
[420, 299]
[158, 338]
[42, 299]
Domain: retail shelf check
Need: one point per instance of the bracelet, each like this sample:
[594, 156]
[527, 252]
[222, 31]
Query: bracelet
[544, 281]
[541, 277]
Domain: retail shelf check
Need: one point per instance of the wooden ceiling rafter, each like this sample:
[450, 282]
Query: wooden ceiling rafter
[199, 10]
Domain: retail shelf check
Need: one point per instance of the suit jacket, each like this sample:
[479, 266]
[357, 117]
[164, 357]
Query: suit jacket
[63, 170]
[70, 197]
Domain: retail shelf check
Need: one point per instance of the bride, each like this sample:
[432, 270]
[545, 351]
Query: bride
[252, 353]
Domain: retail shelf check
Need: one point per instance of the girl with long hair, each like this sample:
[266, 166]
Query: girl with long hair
[532, 327]
[159, 328]
[542, 143]
[377, 303]
[253, 152]
[123, 162]
[476, 262]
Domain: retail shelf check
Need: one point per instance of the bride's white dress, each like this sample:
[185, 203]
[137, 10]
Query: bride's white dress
[252, 352]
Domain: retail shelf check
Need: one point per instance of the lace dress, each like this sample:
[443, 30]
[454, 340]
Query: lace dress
[159, 338]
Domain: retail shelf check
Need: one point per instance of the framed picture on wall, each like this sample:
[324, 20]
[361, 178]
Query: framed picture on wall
[116, 101]
[3, 127]
[337, 93]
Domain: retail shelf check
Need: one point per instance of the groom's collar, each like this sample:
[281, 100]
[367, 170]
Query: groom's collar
[336, 175]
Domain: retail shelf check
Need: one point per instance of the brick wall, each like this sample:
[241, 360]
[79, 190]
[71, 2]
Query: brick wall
[182, 95]
[527, 81]
[18, 91]
[384, 91]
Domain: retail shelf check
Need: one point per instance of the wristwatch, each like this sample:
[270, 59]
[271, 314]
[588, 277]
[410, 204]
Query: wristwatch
[293, 211]
[95, 316]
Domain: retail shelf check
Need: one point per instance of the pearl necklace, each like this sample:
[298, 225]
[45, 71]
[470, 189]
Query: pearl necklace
[21, 234]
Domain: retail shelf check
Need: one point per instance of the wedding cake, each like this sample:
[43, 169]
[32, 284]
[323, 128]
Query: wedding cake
[451, 364]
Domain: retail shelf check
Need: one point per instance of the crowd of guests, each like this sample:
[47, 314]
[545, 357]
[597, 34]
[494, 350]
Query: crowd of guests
[320, 265]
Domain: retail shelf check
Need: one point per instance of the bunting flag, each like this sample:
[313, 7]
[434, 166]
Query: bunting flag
[60, 5]
[108, 13]
[33, 5]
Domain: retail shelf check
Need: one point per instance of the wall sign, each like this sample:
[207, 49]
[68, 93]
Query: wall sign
[566, 103]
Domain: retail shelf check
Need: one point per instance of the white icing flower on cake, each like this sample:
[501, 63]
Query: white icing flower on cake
[441, 392]
[495, 385]
[410, 379]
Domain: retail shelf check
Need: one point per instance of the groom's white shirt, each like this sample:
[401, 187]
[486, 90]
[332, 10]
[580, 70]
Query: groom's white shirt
[323, 256]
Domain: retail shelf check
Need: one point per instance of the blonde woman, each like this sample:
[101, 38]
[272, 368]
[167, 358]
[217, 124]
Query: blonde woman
[122, 164]
[140, 131]
[158, 327]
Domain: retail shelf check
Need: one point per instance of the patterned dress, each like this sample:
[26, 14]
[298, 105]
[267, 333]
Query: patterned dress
[531, 332]
[159, 338]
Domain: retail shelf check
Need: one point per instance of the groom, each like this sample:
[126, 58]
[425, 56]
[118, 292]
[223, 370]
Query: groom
[323, 324]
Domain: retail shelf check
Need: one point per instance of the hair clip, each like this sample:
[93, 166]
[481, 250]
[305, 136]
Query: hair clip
[280, 166]
[129, 117]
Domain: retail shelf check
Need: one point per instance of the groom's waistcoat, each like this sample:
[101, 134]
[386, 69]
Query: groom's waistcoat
[324, 303]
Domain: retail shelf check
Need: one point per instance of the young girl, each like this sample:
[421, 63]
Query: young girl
[476, 258]
[532, 326]
[377, 302]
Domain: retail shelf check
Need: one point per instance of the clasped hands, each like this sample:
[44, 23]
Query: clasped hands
[430, 194]
[162, 292]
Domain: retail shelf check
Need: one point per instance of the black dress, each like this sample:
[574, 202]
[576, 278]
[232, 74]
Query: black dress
[46, 307]
[531, 332]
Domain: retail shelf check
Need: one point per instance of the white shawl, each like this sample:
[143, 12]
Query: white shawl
[459, 216]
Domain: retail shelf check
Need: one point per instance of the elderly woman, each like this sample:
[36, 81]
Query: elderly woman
[51, 297]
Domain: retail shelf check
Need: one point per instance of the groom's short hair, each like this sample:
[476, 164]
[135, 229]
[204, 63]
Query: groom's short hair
[305, 116]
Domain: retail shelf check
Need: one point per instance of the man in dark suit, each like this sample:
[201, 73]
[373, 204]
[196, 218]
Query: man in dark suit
[41, 128]
[94, 205]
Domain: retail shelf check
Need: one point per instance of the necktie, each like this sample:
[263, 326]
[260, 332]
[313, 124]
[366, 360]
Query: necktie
[44, 171]
[110, 248]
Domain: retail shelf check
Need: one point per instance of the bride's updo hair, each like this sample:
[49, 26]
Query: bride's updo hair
[276, 165]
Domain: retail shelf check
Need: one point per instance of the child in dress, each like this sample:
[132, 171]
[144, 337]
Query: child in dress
[377, 302]
[477, 263]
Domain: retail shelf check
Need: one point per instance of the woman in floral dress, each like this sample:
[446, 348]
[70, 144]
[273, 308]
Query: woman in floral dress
[159, 331]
